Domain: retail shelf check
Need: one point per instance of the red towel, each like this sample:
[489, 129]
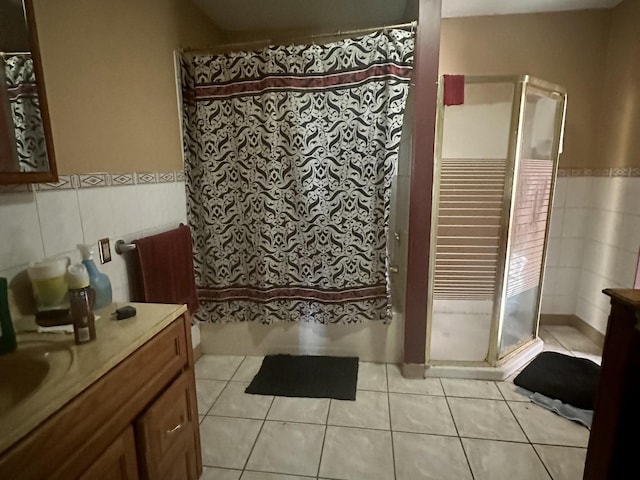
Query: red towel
[166, 269]
[453, 89]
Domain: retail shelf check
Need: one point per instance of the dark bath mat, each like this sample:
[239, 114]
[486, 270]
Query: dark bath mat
[306, 376]
[569, 379]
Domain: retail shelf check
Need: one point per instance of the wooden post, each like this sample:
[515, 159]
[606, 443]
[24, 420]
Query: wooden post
[425, 78]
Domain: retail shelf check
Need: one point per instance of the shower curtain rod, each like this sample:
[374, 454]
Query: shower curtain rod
[270, 41]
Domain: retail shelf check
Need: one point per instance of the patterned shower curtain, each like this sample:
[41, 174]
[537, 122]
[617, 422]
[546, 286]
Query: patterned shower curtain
[290, 153]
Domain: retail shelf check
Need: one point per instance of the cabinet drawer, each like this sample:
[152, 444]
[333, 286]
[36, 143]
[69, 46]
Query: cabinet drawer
[168, 425]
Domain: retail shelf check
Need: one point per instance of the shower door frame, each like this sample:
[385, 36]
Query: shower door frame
[520, 84]
[559, 93]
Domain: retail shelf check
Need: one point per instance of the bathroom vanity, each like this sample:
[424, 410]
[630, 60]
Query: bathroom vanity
[613, 448]
[121, 407]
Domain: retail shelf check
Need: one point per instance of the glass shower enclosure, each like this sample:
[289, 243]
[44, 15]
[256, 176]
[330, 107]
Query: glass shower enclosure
[496, 162]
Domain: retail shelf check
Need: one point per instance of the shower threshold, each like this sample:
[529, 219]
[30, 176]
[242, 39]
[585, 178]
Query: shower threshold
[475, 371]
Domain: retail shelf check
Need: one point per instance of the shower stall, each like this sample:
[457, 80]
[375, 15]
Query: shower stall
[496, 163]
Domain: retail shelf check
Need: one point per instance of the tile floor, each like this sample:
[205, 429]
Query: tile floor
[400, 429]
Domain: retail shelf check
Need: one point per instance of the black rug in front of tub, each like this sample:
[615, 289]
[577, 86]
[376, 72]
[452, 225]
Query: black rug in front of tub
[306, 376]
[571, 380]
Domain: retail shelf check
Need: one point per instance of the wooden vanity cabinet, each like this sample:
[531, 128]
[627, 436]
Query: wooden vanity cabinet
[166, 434]
[117, 462]
[613, 449]
[139, 420]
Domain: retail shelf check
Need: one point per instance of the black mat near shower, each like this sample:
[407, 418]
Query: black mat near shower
[306, 376]
[571, 380]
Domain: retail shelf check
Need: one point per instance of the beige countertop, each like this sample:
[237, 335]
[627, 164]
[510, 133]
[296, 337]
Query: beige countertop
[73, 368]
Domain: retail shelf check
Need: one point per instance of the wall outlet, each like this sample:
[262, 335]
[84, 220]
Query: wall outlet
[105, 250]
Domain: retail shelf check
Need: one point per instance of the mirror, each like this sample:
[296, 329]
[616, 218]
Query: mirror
[26, 147]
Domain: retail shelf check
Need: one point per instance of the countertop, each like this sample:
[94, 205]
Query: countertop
[630, 297]
[115, 341]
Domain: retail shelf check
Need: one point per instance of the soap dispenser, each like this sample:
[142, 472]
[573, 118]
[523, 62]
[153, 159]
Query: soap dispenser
[99, 281]
[7, 334]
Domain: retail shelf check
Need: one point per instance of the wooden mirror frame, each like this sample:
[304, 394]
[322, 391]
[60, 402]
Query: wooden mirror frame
[51, 176]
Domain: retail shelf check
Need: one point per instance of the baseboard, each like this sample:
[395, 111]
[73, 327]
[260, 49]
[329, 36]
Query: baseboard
[413, 370]
[197, 352]
[576, 322]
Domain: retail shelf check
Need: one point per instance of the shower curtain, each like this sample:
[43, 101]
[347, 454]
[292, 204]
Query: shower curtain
[20, 79]
[289, 157]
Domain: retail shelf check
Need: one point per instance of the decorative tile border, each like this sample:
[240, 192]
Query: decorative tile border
[97, 180]
[103, 179]
[599, 172]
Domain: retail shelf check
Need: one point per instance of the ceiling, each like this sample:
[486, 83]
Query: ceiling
[470, 8]
[273, 15]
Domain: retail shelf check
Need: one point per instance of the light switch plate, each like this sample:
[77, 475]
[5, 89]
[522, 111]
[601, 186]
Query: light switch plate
[105, 250]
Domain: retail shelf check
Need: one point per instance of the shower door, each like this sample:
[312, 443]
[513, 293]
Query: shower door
[468, 220]
[496, 160]
[539, 140]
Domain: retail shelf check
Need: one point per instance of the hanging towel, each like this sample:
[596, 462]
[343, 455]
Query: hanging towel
[453, 89]
[166, 269]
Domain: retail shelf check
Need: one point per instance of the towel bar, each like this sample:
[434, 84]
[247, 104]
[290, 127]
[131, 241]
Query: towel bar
[123, 247]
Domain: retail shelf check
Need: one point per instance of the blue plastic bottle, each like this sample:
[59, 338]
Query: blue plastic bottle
[99, 281]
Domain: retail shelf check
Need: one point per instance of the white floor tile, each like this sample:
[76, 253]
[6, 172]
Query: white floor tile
[358, 444]
[572, 339]
[429, 457]
[356, 454]
[212, 473]
[421, 414]
[233, 402]
[207, 391]
[248, 369]
[544, 426]
[372, 376]
[227, 442]
[510, 391]
[294, 409]
[594, 358]
[457, 387]
[489, 419]
[292, 448]
[369, 410]
[424, 386]
[247, 475]
[217, 367]
[551, 344]
[564, 463]
[492, 460]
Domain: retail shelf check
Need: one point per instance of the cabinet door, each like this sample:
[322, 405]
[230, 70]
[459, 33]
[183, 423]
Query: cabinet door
[117, 462]
[168, 433]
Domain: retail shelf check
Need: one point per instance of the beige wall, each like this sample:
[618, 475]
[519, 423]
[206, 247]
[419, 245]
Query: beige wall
[619, 133]
[568, 48]
[110, 81]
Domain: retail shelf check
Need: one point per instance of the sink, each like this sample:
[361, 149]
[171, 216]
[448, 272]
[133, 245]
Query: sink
[33, 364]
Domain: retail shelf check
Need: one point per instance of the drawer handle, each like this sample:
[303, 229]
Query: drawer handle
[175, 429]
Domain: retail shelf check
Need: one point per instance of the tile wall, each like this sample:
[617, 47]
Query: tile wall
[594, 243]
[48, 220]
